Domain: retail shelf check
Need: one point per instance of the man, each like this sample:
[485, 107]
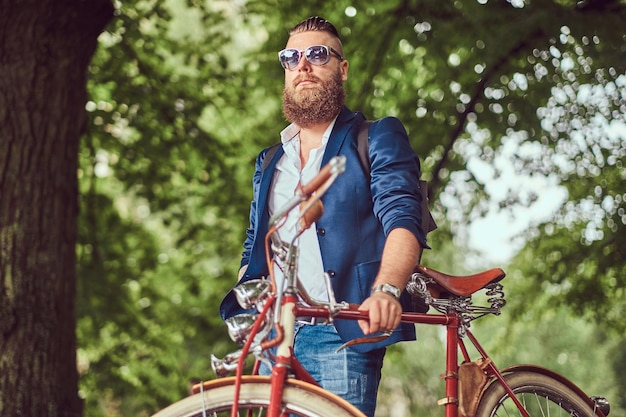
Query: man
[370, 236]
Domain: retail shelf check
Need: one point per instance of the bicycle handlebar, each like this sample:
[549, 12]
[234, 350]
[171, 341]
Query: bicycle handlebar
[334, 167]
[318, 186]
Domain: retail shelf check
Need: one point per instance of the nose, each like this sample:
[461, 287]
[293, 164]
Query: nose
[304, 65]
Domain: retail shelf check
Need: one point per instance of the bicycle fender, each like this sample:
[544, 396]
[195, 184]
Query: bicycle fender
[267, 380]
[558, 377]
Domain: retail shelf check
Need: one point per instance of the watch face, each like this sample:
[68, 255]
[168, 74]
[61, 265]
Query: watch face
[392, 289]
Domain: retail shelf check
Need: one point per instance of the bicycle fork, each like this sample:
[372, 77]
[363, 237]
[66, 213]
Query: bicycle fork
[285, 363]
[284, 353]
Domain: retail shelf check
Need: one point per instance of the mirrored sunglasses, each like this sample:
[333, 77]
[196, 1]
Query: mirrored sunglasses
[315, 55]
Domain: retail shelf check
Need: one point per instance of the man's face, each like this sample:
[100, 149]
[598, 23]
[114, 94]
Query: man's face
[304, 75]
[314, 93]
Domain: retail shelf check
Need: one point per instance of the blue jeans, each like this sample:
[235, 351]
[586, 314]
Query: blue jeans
[352, 375]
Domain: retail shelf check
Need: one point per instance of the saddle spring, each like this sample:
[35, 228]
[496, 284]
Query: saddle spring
[418, 287]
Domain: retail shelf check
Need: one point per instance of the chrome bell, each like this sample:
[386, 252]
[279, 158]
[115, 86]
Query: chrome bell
[253, 293]
[226, 366]
[240, 326]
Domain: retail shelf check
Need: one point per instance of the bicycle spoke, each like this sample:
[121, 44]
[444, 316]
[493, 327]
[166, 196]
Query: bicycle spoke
[540, 395]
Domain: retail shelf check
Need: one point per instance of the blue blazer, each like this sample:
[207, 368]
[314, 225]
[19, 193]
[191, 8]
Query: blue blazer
[359, 212]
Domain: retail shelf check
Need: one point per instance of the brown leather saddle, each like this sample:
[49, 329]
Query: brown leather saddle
[463, 286]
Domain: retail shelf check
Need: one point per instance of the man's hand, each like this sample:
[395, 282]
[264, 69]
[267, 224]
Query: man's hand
[400, 255]
[384, 312]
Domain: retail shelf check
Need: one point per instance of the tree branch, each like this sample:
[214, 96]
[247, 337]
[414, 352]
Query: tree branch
[493, 71]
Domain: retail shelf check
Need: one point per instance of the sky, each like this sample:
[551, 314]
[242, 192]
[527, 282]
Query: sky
[493, 235]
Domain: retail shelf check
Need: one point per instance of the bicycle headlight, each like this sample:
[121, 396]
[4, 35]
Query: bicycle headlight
[240, 326]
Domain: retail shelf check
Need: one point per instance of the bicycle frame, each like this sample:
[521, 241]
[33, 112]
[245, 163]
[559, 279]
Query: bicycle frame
[454, 343]
[287, 365]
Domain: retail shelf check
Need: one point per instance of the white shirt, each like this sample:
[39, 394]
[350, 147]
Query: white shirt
[287, 176]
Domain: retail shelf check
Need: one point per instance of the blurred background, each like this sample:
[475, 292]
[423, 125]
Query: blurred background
[515, 108]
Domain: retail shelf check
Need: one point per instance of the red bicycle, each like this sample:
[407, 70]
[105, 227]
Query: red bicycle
[473, 387]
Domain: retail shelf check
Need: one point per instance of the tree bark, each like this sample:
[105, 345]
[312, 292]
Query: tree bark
[45, 49]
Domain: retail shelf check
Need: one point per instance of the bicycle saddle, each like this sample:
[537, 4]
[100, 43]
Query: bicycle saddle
[465, 285]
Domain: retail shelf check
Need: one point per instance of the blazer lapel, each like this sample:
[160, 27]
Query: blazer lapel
[344, 124]
[264, 187]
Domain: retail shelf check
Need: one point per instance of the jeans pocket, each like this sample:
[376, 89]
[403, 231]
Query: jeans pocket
[333, 372]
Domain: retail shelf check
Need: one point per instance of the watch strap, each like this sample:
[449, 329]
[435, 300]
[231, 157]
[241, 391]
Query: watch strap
[387, 289]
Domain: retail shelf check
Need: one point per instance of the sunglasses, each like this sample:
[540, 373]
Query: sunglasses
[316, 55]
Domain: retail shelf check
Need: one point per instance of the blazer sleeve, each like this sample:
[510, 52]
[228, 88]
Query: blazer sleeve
[395, 171]
[251, 230]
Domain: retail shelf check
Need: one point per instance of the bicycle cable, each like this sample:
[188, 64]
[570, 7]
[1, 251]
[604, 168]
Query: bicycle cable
[203, 400]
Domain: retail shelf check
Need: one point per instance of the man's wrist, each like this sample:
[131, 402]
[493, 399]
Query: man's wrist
[387, 289]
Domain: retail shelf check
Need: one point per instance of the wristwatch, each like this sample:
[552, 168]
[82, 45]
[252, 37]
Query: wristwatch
[388, 289]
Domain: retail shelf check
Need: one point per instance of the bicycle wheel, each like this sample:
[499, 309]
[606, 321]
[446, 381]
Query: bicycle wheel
[299, 399]
[541, 395]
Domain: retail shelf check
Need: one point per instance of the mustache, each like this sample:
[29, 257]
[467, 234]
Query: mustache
[305, 77]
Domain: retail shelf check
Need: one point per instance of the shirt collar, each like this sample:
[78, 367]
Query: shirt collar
[292, 131]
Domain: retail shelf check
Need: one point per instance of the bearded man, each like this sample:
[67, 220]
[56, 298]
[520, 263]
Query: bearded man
[370, 236]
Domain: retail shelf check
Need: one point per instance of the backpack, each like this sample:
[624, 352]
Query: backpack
[428, 223]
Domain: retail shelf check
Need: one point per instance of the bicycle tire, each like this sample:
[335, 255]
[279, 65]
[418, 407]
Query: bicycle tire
[541, 395]
[299, 399]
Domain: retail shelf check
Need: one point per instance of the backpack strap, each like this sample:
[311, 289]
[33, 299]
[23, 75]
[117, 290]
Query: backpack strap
[269, 155]
[363, 145]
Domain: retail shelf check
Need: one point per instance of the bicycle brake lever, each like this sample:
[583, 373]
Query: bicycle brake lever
[361, 340]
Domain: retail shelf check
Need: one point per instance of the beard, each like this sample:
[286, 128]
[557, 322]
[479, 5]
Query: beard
[311, 106]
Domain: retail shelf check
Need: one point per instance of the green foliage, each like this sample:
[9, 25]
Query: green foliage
[411, 383]
[163, 211]
[183, 95]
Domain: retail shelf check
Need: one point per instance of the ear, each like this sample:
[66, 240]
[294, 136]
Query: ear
[344, 70]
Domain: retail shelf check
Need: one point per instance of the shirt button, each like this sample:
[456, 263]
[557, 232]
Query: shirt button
[321, 231]
[331, 273]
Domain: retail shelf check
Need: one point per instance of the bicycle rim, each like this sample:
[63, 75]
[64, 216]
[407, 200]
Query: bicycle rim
[541, 396]
[299, 399]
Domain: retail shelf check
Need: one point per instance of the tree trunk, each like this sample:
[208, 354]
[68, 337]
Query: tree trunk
[45, 48]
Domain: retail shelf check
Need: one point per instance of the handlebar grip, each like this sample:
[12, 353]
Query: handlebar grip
[334, 167]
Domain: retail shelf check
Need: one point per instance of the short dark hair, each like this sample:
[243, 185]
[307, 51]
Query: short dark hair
[315, 24]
